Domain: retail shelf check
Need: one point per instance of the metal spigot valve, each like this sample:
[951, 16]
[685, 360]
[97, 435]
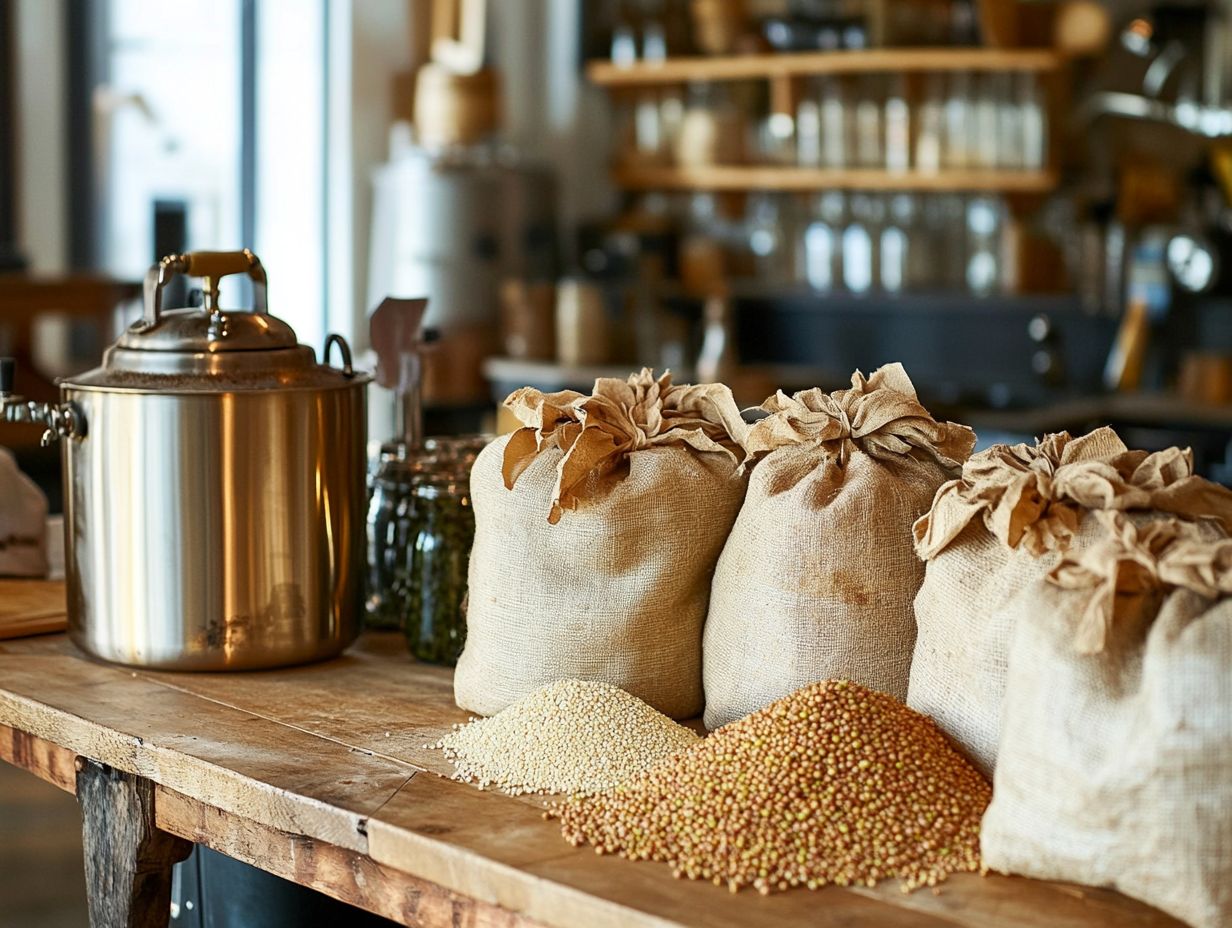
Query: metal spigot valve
[61, 419]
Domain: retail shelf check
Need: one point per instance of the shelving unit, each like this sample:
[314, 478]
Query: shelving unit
[793, 179]
[786, 73]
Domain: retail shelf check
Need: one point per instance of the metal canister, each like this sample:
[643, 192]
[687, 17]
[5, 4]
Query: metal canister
[214, 487]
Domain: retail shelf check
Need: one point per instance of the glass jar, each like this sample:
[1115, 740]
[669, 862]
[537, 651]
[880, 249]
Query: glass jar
[389, 527]
[440, 549]
[457, 453]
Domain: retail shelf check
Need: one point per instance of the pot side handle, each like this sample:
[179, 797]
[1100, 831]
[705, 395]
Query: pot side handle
[343, 349]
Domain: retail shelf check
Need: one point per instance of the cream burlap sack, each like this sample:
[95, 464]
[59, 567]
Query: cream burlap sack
[817, 577]
[1001, 527]
[596, 532]
[1115, 765]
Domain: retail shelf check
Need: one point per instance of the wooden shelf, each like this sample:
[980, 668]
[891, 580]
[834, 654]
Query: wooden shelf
[746, 177]
[888, 60]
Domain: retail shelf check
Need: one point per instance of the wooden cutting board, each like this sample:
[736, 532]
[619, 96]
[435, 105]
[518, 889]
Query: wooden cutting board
[32, 607]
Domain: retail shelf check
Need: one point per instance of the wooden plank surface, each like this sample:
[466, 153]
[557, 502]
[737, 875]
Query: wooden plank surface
[275, 774]
[334, 754]
[343, 874]
[740, 177]
[855, 61]
[31, 607]
[27, 625]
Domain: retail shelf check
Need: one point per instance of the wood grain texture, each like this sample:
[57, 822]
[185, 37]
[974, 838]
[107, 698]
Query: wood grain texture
[128, 859]
[738, 177]
[47, 761]
[26, 599]
[884, 60]
[32, 625]
[343, 874]
[275, 774]
[331, 758]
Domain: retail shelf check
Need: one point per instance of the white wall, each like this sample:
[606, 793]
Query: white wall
[550, 111]
[370, 42]
[42, 178]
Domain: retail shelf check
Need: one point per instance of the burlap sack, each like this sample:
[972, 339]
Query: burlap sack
[1115, 766]
[596, 532]
[1000, 527]
[817, 577]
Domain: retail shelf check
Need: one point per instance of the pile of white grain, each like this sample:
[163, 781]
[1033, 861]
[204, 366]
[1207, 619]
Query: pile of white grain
[571, 736]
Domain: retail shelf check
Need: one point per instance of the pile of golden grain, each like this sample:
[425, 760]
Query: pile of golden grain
[835, 783]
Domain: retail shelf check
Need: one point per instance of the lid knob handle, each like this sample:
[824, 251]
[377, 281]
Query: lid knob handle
[211, 267]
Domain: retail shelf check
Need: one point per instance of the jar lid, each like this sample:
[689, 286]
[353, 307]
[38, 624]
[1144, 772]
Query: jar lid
[438, 485]
[403, 472]
[458, 445]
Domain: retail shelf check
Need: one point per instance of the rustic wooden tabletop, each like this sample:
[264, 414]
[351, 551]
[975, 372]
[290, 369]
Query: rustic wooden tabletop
[320, 774]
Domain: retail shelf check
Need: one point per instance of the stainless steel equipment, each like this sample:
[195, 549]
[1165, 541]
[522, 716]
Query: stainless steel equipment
[214, 486]
[452, 226]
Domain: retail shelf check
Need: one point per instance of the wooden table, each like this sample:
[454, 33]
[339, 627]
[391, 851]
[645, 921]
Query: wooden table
[320, 774]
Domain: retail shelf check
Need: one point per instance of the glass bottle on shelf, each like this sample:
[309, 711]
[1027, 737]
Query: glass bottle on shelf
[869, 138]
[808, 127]
[765, 234]
[930, 125]
[897, 125]
[775, 140]
[822, 241]
[921, 244]
[654, 31]
[444, 530]
[983, 245]
[950, 231]
[935, 241]
[671, 117]
[648, 128]
[710, 131]
[858, 256]
[982, 125]
[955, 153]
[1030, 100]
[893, 261]
[624, 37]
[835, 102]
[1009, 124]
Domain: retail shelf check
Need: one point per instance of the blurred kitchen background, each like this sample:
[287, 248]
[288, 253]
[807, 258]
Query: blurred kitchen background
[1027, 203]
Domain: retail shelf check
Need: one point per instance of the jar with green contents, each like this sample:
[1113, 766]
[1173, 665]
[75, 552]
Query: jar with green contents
[459, 451]
[390, 532]
[444, 529]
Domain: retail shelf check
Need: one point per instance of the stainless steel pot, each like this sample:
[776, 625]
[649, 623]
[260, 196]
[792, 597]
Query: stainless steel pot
[214, 486]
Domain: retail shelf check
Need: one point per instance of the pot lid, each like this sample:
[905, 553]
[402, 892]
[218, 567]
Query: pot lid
[210, 348]
[209, 328]
[201, 330]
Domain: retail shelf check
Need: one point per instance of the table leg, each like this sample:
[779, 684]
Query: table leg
[128, 860]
